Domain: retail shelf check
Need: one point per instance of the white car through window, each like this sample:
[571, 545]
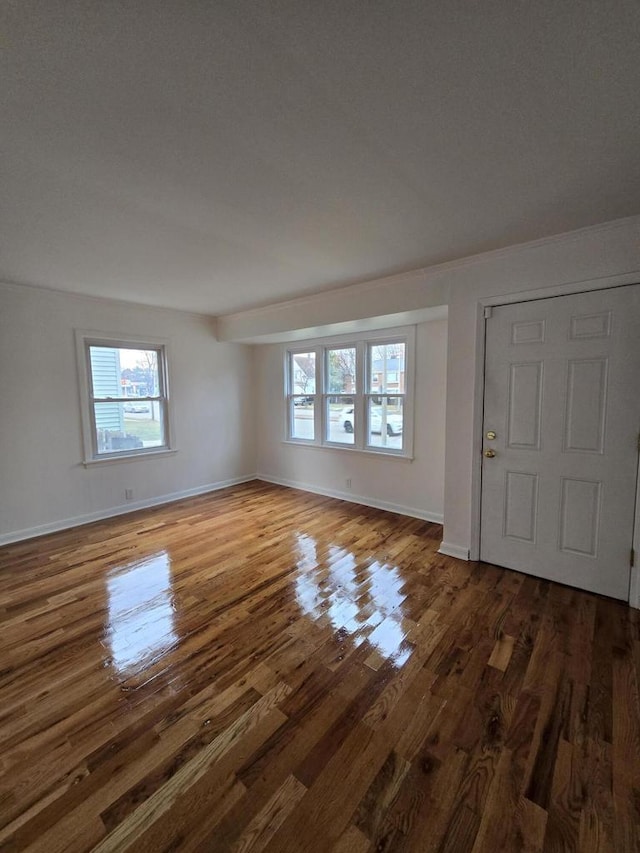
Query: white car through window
[394, 421]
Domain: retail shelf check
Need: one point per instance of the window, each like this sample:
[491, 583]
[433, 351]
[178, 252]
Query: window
[339, 409]
[302, 397]
[352, 394]
[385, 411]
[124, 392]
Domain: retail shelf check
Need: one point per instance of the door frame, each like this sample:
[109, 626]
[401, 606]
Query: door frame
[566, 289]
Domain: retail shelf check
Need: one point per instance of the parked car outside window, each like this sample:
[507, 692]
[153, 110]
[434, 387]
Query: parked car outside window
[394, 422]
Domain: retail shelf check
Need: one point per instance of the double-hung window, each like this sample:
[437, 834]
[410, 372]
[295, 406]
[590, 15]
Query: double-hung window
[124, 393]
[385, 394]
[340, 372]
[301, 398]
[352, 393]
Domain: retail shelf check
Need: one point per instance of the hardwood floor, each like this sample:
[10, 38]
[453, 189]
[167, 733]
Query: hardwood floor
[264, 669]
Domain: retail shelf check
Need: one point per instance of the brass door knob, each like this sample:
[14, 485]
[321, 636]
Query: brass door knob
[489, 454]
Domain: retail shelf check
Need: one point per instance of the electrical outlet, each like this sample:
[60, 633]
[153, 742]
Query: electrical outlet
[128, 494]
[347, 482]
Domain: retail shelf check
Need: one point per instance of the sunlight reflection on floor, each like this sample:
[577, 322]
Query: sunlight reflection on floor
[141, 626]
[332, 585]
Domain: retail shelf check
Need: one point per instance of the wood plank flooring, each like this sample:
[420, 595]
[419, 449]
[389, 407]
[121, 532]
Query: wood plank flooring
[262, 669]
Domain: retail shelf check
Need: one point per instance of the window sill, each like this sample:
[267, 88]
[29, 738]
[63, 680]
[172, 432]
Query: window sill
[129, 457]
[379, 454]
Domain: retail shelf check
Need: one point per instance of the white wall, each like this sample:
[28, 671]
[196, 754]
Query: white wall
[599, 256]
[43, 483]
[415, 487]
[588, 259]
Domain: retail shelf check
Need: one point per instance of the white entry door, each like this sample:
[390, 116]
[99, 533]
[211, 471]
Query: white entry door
[560, 438]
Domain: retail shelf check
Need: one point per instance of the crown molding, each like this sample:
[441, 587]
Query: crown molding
[105, 300]
[435, 270]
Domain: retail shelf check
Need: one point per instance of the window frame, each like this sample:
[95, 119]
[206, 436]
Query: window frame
[361, 395]
[327, 394]
[84, 341]
[368, 392]
[291, 395]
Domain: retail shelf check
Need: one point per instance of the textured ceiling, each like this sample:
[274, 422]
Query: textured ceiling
[213, 156]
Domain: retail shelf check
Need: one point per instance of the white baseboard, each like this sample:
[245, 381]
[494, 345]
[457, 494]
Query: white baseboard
[123, 509]
[451, 550]
[412, 512]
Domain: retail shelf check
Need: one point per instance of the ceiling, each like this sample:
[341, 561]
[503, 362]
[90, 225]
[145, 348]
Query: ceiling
[214, 156]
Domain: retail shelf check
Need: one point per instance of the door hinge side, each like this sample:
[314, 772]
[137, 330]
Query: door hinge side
[632, 558]
[488, 311]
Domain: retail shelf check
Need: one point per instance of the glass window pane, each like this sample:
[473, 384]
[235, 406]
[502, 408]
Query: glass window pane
[341, 370]
[303, 373]
[302, 419]
[385, 422]
[123, 427]
[124, 372]
[340, 420]
[387, 368]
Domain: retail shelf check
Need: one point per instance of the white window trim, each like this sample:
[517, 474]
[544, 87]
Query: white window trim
[406, 395]
[87, 338]
[361, 341]
[357, 344]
